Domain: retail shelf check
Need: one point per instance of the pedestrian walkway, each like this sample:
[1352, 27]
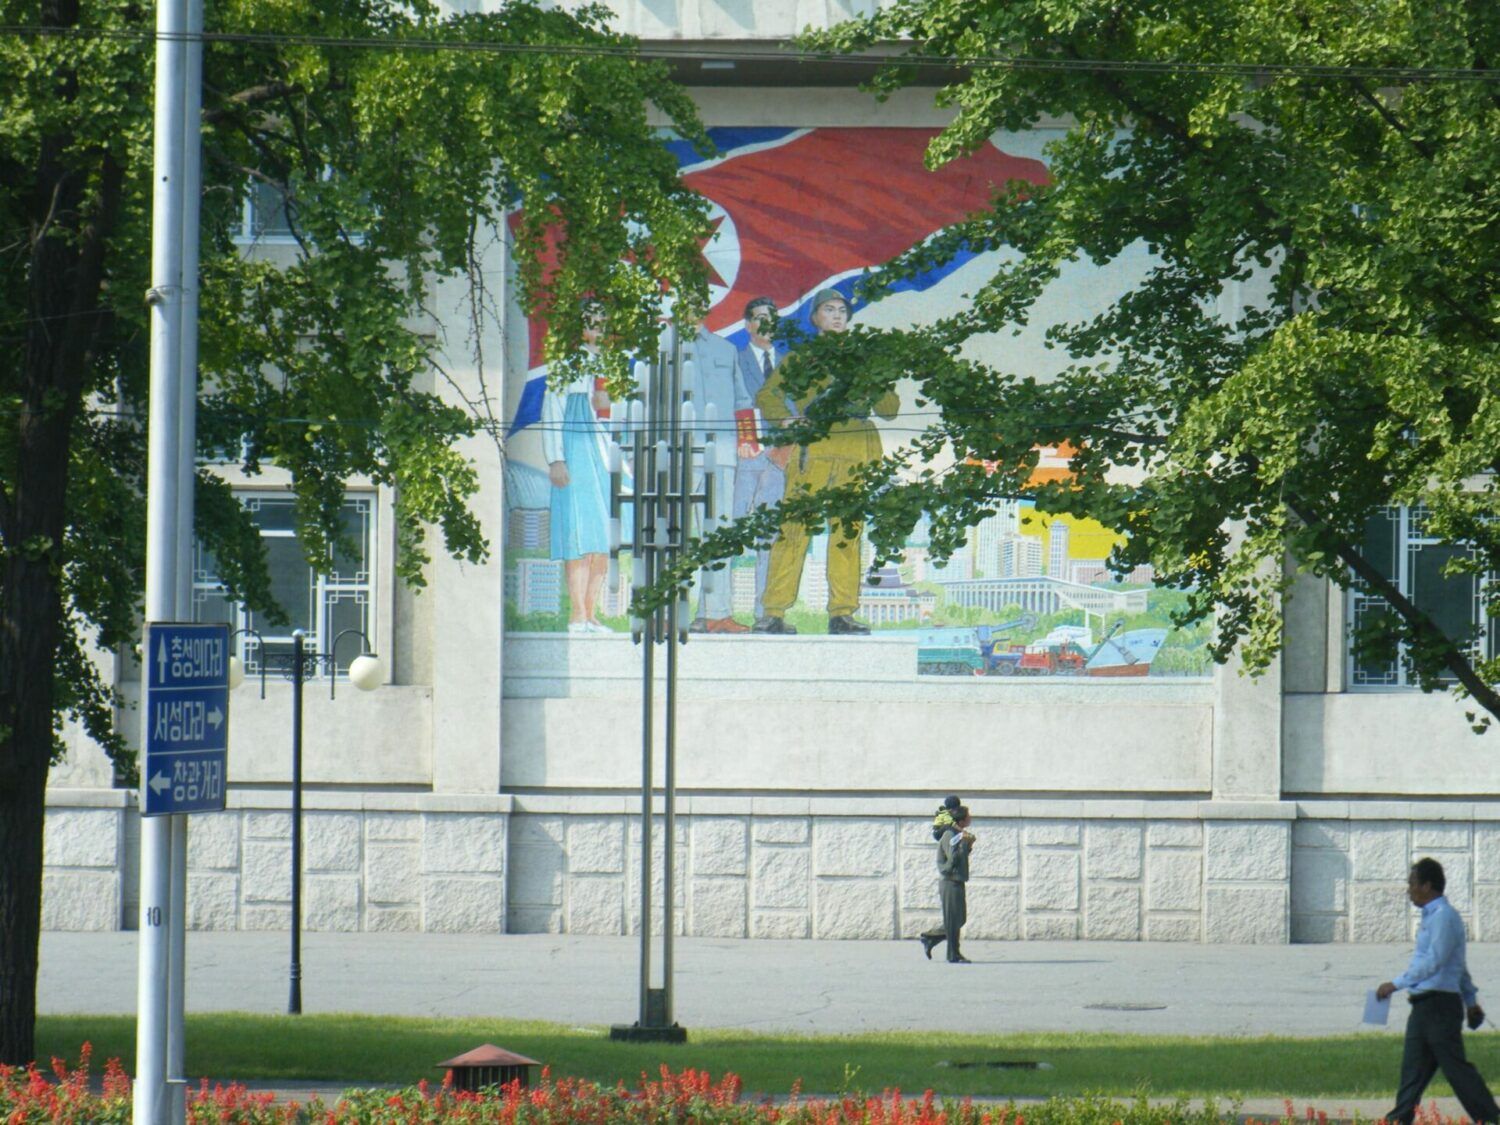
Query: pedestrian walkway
[811, 987]
[814, 987]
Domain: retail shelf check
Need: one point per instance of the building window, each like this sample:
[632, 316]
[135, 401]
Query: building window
[1397, 543]
[321, 605]
[267, 210]
[264, 214]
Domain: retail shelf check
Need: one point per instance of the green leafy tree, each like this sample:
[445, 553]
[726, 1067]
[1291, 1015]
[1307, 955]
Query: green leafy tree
[395, 157]
[1313, 337]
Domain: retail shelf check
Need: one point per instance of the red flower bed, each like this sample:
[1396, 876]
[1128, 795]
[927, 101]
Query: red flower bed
[29, 1095]
[691, 1096]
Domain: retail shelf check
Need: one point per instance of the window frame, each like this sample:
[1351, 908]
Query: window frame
[247, 232]
[324, 591]
[1409, 540]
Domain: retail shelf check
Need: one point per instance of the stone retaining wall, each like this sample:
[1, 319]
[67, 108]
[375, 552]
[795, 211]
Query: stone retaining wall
[777, 868]
[370, 862]
[86, 858]
[873, 877]
[1221, 872]
[1350, 861]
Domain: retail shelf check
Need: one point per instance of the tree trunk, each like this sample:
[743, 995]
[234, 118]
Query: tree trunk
[30, 628]
[70, 216]
[31, 623]
[21, 812]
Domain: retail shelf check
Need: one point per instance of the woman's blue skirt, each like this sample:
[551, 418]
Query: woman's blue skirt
[580, 512]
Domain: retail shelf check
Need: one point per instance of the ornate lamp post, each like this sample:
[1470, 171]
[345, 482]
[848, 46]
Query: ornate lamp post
[365, 673]
[665, 509]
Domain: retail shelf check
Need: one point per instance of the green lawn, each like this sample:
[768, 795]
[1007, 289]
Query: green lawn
[371, 1049]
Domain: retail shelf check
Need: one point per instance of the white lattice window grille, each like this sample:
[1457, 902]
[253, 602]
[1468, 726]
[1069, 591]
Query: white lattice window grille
[1396, 542]
[263, 215]
[322, 605]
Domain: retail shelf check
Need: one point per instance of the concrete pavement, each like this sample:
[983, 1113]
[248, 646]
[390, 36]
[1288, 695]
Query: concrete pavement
[814, 987]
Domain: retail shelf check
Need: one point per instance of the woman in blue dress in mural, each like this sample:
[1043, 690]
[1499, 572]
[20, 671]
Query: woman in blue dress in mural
[573, 444]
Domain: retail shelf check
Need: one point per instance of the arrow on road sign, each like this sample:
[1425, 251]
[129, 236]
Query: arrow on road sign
[215, 718]
[161, 661]
[159, 782]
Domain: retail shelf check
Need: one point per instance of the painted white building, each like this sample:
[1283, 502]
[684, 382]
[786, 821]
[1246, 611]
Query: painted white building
[535, 585]
[988, 537]
[489, 785]
[1019, 556]
[1057, 550]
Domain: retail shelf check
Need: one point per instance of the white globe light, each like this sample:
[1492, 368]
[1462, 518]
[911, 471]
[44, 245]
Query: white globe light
[236, 672]
[366, 673]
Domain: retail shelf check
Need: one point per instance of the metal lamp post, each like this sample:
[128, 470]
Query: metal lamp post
[365, 673]
[665, 507]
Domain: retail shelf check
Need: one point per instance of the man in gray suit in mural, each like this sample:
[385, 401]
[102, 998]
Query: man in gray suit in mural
[760, 477]
[714, 380]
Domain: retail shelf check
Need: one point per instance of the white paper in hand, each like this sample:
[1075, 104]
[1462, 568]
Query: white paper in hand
[1377, 1012]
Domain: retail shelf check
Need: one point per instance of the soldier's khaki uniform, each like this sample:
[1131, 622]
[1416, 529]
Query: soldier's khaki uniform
[829, 462]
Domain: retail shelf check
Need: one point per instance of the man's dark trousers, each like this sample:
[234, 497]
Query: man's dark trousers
[1434, 1040]
[954, 899]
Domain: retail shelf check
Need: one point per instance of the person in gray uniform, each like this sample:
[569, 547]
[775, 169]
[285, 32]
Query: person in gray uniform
[714, 383]
[953, 850]
[760, 475]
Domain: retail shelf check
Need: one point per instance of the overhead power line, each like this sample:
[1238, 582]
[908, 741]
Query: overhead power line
[1397, 75]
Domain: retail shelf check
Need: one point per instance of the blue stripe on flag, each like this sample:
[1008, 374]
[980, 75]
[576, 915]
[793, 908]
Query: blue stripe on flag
[728, 139]
[529, 409]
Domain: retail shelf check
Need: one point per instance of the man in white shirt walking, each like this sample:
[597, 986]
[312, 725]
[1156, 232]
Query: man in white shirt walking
[1440, 989]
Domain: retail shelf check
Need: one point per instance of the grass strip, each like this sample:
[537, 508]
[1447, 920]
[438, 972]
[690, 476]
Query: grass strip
[362, 1049]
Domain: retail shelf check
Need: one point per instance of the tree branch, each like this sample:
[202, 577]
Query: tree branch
[254, 96]
[1390, 119]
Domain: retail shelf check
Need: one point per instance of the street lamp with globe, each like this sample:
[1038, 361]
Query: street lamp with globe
[366, 673]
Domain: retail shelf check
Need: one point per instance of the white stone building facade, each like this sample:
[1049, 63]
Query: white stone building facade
[490, 786]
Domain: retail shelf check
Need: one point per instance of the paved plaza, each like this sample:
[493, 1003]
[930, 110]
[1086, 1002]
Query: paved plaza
[776, 986]
[814, 987]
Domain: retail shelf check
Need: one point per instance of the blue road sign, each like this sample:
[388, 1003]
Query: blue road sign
[186, 718]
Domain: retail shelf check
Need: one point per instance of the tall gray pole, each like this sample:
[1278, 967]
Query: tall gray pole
[187, 445]
[679, 479]
[151, 1104]
[648, 736]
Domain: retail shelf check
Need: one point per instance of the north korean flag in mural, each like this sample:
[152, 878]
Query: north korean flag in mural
[798, 210]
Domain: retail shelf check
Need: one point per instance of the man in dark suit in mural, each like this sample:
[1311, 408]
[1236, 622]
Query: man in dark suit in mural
[826, 463]
[760, 476]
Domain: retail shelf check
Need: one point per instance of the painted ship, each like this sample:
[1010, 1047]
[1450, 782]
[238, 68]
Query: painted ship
[1125, 654]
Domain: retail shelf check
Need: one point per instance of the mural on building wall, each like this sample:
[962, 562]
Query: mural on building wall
[799, 215]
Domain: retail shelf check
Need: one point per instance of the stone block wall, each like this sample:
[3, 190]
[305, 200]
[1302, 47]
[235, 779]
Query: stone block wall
[1350, 861]
[1211, 871]
[433, 870]
[371, 862]
[86, 856]
[828, 876]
